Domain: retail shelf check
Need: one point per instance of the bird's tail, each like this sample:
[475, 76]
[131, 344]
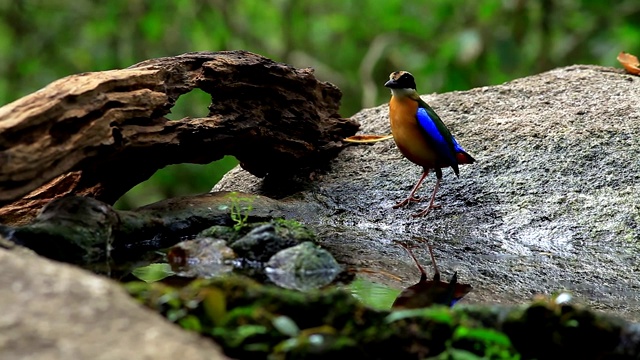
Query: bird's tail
[463, 158]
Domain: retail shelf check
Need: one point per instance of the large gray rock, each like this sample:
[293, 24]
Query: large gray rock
[551, 204]
[56, 311]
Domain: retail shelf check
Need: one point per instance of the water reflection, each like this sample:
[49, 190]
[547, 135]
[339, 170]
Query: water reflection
[302, 267]
[201, 258]
[429, 292]
[375, 295]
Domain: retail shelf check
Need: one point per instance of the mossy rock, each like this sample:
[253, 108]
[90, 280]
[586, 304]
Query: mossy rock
[252, 320]
[261, 240]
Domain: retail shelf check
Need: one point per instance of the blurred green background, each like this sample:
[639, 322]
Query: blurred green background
[447, 44]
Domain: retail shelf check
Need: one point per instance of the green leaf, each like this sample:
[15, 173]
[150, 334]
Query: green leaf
[190, 322]
[152, 273]
[485, 335]
[457, 354]
[439, 314]
[246, 331]
[375, 295]
[214, 303]
[286, 326]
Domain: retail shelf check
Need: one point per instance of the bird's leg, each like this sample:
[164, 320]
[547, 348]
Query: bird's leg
[436, 274]
[411, 196]
[451, 288]
[433, 196]
[423, 274]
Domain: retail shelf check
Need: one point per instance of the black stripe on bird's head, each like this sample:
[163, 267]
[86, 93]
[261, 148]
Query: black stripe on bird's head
[401, 80]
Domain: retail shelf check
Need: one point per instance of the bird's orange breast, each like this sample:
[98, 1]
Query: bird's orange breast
[407, 133]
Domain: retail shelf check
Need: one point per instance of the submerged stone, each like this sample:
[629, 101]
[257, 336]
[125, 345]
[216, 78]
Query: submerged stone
[302, 267]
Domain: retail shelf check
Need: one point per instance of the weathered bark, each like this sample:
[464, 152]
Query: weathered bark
[99, 134]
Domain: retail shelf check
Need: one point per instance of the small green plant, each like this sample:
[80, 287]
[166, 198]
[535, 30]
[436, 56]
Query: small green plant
[241, 207]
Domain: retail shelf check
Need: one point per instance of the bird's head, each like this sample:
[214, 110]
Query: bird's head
[401, 83]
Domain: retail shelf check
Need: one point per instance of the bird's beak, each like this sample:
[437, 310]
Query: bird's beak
[390, 84]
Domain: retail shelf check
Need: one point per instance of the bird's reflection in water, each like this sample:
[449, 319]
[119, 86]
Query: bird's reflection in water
[429, 292]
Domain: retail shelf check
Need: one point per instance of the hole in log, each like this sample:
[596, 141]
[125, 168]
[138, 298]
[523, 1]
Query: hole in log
[192, 104]
[176, 180]
[117, 135]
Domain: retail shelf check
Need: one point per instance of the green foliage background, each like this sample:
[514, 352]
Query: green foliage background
[447, 44]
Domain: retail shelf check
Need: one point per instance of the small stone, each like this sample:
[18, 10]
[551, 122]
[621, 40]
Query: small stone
[261, 243]
[302, 267]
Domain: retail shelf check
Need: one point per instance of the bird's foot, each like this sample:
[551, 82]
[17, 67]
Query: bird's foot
[407, 201]
[405, 244]
[426, 211]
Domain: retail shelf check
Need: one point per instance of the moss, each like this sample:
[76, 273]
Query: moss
[252, 320]
[547, 330]
[227, 233]
[293, 229]
[285, 228]
[246, 319]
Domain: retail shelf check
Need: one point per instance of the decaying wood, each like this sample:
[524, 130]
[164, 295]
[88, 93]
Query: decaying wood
[101, 133]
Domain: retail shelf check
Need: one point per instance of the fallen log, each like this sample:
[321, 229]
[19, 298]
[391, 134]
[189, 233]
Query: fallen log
[99, 134]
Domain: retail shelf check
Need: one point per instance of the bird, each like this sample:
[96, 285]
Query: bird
[428, 292]
[421, 136]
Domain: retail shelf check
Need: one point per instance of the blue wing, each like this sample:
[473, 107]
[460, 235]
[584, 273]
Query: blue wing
[434, 137]
[456, 146]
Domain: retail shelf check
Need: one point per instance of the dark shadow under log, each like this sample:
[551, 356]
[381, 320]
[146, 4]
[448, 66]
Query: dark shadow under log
[99, 134]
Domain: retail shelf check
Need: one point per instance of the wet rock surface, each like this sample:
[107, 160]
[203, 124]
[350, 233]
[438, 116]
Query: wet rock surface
[550, 205]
